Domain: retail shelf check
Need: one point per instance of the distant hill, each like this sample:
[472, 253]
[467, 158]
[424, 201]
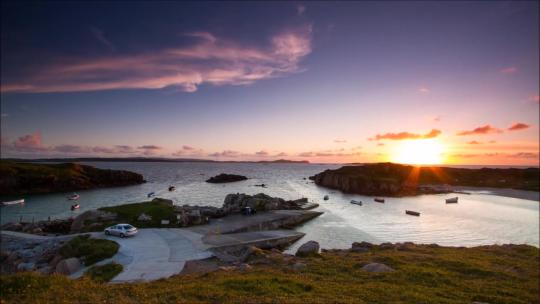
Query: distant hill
[146, 159]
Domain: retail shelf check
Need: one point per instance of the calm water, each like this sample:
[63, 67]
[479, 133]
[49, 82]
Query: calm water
[477, 219]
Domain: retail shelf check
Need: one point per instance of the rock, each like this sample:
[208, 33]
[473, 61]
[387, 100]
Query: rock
[361, 247]
[244, 267]
[13, 256]
[227, 268]
[26, 266]
[144, 217]
[27, 253]
[45, 270]
[234, 203]
[234, 254]
[68, 266]
[298, 266]
[307, 249]
[91, 216]
[377, 267]
[12, 226]
[55, 260]
[226, 178]
[387, 246]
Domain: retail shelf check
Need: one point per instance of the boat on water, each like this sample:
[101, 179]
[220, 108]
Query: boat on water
[151, 194]
[16, 202]
[359, 203]
[326, 197]
[76, 206]
[172, 188]
[73, 197]
[410, 212]
[452, 200]
[379, 200]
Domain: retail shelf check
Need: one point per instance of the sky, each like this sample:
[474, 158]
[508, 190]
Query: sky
[444, 82]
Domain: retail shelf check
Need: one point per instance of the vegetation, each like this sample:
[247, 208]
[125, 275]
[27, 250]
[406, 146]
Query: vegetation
[158, 209]
[424, 274]
[395, 179]
[89, 250]
[104, 273]
[31, 178]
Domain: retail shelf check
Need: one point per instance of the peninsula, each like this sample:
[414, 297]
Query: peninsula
[389, 179]
[27, 178]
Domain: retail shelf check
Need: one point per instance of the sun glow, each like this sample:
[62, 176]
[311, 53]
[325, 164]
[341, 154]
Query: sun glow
[419, 152]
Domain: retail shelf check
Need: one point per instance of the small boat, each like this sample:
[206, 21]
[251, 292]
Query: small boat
[452, 200]
[410, 212]
[326, 197]
[359, 203]
[76, 206]
[73, 197]
[16, 202]
[172, 188]
[379, 200]
[151, 194]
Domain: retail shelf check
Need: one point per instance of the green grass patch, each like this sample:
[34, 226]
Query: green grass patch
[157, 209]
[493, 274]
[104, 273]
[88, 249]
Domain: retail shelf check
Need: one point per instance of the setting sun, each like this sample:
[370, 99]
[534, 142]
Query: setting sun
[419, 152]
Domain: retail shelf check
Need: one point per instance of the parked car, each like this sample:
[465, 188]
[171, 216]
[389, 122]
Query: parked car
[121, 230]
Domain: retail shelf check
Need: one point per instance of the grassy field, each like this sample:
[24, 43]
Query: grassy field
[90, 250]
[424, 274]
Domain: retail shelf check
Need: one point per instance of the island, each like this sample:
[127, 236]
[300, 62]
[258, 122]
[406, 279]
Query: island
[226, 178]
[30, 178]
[389, 179]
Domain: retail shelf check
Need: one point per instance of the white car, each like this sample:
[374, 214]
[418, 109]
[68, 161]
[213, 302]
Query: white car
[121, 230]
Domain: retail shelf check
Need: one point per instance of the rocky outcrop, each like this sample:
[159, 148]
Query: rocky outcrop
[361, 247]
[91, 216]
[226, 178]
[30, 178]
[387, 179]
[307, 249]
[40, 227]
[262, 202]
[68, 266]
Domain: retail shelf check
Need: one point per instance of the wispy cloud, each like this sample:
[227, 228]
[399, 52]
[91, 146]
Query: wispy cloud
[225, 153]
[474, 142]
[424, 90]
[340, 141]
[100, 36]
[509, 70]
[518, 126]
[209, 60]
[487, 129]
[406, 135]
[262, 153]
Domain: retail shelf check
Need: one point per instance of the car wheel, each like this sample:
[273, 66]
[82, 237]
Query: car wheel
[107, 232]
[122, 235]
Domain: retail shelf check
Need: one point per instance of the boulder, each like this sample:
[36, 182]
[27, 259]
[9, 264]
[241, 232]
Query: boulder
[55, 260]
[361, 247]
[387, 246]
[144, 217]
[377, 267]
[26, 266]
[298, 266]
[226, 178]
[307, 249]
[68, 266]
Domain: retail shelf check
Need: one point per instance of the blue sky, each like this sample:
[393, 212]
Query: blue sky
[292, 79]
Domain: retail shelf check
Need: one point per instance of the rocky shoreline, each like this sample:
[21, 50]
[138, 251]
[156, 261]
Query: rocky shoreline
[31, 178]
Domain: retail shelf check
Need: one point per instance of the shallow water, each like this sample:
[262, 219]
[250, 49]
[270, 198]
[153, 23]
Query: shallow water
[478, 219]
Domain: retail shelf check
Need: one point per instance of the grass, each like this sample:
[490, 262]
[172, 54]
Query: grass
[493, 274]
[104, 273]
[88, 249]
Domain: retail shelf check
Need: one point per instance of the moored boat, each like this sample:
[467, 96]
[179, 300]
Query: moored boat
[379, 200]
[359, 203]
[326, 197]
[452, 200]
[172, 188]
[16, 202]
[76, 206]
[410, 212]
[73, 197]
[151, 194]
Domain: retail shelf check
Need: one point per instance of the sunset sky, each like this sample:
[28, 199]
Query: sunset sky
[324, 82]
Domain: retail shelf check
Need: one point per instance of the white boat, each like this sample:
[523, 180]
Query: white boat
[359, 203]
[76, 206]
[16, 202]
[452, 200]
[73, 197]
